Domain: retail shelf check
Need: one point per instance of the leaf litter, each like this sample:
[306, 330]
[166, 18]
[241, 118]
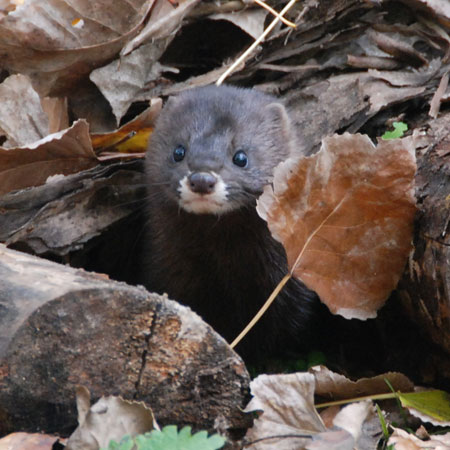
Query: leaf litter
[288, 418]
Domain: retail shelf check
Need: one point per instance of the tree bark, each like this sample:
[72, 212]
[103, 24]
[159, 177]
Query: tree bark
[425, 287]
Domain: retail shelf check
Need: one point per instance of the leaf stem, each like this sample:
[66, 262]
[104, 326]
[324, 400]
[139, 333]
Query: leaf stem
[263, 309]
[390, 395]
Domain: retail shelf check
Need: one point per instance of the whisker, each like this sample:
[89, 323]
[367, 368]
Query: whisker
[130, 202]
[162, 183]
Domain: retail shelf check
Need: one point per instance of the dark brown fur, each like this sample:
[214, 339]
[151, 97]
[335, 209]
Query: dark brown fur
[223, 265]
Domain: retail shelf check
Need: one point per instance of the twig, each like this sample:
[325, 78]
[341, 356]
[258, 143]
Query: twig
[437, 97]
[255, 44]
[272, 11]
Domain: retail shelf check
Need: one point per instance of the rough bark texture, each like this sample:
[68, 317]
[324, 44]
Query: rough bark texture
[425, 288]
[63, 327]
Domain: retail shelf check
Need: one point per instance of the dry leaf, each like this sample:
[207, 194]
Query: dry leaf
[408, 78]
[334, 386]
[65, 152]
[58, 43]
[398, 46]
[288, 405]
[28, 441]
[21, 115]
[352, 417]
[331, 440]
[121, 80]
[56, 109]
[164, 20]
[347, 429]
[402, 440]
[131, 137]
[290, 421]
[109, 418]
[345, 217]
[382, 94]
[251, 21]
[93, 199]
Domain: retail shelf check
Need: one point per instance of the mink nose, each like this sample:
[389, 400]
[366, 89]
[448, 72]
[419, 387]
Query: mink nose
[202, 182]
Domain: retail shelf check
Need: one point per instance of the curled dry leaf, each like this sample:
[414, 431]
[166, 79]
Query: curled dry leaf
[58, 43]
[65, 152]
[352, 417]
[347, 431]
[335, 386]
[345, 217]
[122, 79]
[288, 405]
[164, 20]
[109, 418]
[56, 109]
[131, 137]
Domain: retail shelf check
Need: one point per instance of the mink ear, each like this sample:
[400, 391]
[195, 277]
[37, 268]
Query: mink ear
[173, 102]
[278, 118]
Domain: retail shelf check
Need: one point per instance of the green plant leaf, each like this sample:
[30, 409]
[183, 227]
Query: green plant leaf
[382, 422]
[399, 130]
[170, 439]
[434, 404]
[126, 443]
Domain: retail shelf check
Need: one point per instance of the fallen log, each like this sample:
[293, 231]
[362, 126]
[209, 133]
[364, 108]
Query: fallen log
[62, 327]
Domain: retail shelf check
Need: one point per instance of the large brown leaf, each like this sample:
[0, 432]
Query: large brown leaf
[345, 218]
[57, 43]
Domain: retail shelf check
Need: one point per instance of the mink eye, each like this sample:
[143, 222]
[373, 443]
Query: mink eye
[240, 159]
[178, 153]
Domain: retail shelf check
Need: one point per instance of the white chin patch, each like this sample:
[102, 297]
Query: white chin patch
[214, 203]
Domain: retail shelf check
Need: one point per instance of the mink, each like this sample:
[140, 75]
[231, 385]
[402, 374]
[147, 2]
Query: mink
[210, 155]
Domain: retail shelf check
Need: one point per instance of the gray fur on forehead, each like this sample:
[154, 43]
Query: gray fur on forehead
[228, 97]
[220, 106]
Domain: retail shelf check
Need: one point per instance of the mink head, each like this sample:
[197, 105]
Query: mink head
[215, 148]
